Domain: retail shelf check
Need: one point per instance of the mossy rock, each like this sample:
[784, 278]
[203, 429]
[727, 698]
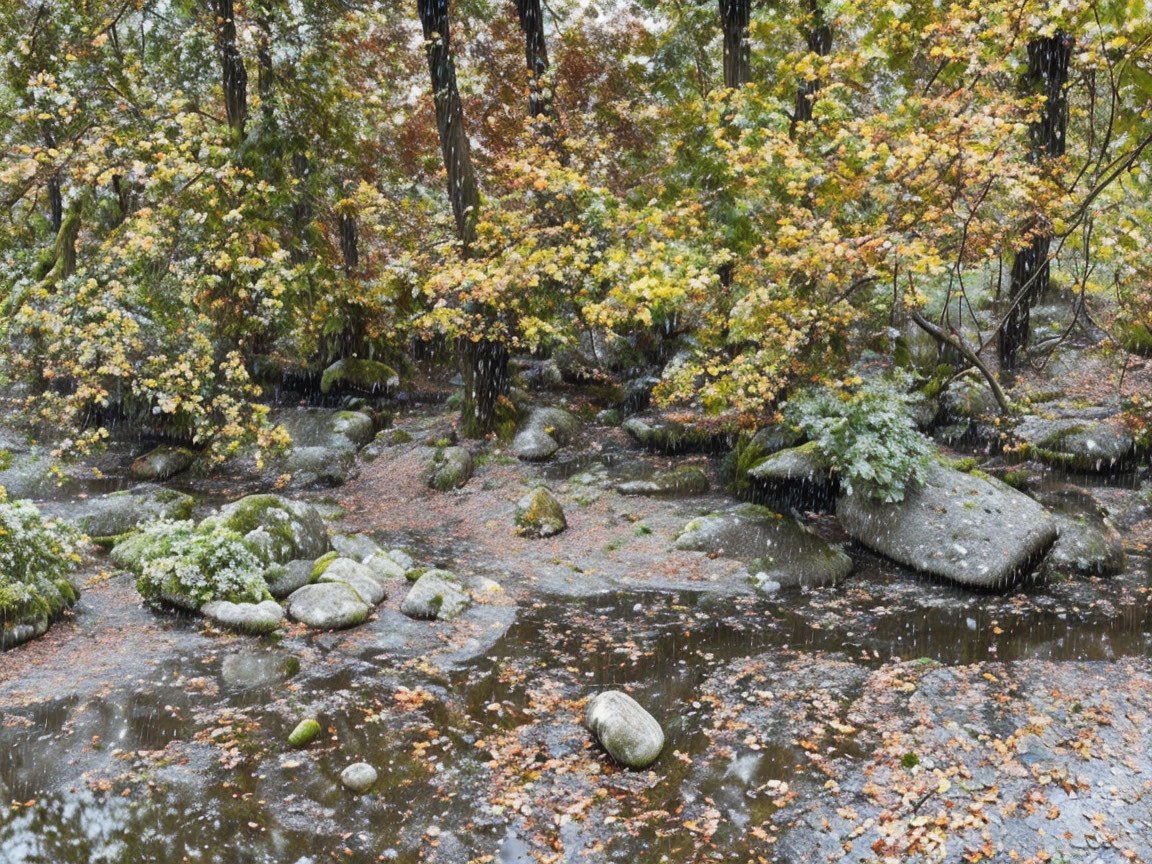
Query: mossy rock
[277, 529]
[369, 376]
[683, 480]
[450, 468]
[305, 733]
[539, 514]
[162, 462]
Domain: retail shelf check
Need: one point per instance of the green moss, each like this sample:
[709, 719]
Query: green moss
[305, 733]
[399, 436]
[322, 564]
[360, 374]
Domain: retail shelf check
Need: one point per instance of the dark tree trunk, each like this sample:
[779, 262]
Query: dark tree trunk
[235, 77]
[536, 57]
[1048, 60]
[349, 242]
[462, 188]
[484, 364]
[734, 18]
[818, 35]
[485, 368]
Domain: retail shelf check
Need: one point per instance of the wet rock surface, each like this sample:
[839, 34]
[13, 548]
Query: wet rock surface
[788, 720]
[955, 526]
[778, 551]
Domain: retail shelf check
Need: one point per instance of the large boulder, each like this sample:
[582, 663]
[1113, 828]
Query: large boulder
[685, 480]
[437, 594]
[778, 550]
[545, 431]
[974, 531]
[1093, 440]
[450, 468]
[161, 463]
[328, 606]
[630, 734]
[278, 529]
[539, 514]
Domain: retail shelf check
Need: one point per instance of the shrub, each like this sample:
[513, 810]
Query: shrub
[37, 556]
[867, 436]
[190, 567]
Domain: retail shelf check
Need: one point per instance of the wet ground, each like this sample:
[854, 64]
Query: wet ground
[131, 735]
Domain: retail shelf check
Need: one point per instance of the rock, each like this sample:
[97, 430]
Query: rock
[1087, 543]
[796, 477]
[305, 733]
[450, 468]
[328, 606]
[364, 376]
[358, 777]
[977, 532]
[537, 374]
[161, 463]
[402, 558]
[354, 574]
[355, 426]
[358, 547]
[629, 733]
[385, 567]
[437, 594]
[317, 467]
[283, 580]
[108, 516]
[263, 617]
[775, 548]
[777, 437]
[1088, 546]
[545, 432]
[27, 472]
[539, 514]
[670, 437]
[1093, 440]
[278, 529]
[325, 428]
[685, 480]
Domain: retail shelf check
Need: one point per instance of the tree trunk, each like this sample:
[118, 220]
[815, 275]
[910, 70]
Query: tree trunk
[462, 188]
[818, 35]
[1048, 60]
[536, 57]
[301, 207]
[484, 364]
[234, 75]
[734, 18]
[485, 370]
